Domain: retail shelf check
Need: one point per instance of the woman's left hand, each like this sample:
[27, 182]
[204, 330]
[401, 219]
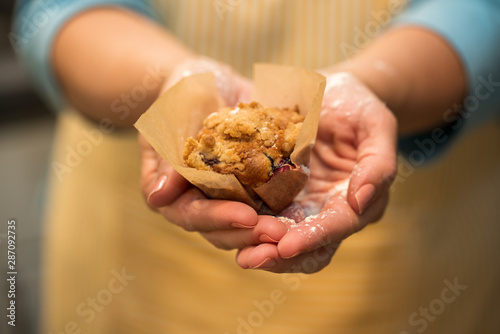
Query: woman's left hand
[353, 164]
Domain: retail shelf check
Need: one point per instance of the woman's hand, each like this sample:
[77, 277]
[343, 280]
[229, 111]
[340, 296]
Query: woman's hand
[353, 164]
[226, 224]
[232, 87]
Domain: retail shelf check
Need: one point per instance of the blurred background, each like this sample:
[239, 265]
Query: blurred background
[26, 128]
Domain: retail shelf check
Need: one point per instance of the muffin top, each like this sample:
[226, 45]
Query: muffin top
[249, 141]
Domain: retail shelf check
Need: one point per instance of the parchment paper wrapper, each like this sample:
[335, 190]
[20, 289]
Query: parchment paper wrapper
[179, 114]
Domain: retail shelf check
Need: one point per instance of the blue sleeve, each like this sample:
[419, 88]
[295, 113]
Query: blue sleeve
[37, 22]
[472, 28]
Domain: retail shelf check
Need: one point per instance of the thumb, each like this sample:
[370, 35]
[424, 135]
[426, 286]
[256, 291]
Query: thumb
[160, 183]
[169, 185]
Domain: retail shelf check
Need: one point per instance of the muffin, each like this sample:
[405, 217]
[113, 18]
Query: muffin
[249, 141]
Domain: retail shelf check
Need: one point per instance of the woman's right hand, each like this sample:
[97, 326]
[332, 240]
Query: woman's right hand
[226, 224]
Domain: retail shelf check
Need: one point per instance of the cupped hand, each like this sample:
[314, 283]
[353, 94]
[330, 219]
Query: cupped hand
[353, 164]
[226, 224]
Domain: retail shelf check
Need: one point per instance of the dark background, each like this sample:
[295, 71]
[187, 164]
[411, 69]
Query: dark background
[18, 100]
[26, 128]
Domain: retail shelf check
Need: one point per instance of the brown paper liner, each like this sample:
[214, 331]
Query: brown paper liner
[180, 111]
[281, 189]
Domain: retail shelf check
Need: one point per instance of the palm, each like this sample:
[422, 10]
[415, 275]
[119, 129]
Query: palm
[354, 151]
[336, 150]
[332, 159]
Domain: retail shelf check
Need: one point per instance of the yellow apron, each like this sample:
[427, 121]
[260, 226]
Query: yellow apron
[113, 266]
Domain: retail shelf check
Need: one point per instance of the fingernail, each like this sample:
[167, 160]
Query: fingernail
[293, 255]
[266, 264]
[265, 238]
[158, 186]
[364, 196]
[239, 225]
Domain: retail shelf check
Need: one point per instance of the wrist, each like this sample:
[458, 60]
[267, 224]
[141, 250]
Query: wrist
[379, 77]
[231, 86]
[415, 72]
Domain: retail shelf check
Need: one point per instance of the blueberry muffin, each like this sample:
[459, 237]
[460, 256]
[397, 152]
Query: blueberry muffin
[249, 141]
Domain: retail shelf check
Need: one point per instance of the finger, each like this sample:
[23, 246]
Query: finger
[149, 163]
[267, 230]
[231, 239]
[160, 183]
[334, 223]
[265, 257]
[330, 227]
[376, 162]
[376, 210]
[306, 263]
[168, 187]
[194, 212]
[242, 255]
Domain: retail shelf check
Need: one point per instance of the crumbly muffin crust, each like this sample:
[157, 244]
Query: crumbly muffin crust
[249, 141]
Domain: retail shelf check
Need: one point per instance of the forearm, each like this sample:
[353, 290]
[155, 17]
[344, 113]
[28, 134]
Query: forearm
[415, 72]
[111, 63]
